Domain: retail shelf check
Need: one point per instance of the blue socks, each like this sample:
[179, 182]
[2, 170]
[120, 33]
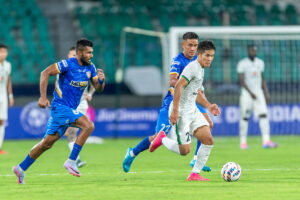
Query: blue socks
[198, 145]
[142, 146]
[75, 151]
[26, 163]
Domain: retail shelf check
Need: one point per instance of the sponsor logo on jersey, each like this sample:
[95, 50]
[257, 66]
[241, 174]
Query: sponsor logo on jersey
[88, 74]
[175, 62]
[64, 62]
[79, 83]
[34, 119]
[76, 112]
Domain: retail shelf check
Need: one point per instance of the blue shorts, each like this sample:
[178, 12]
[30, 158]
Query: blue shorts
[61, 118]
[163, 122]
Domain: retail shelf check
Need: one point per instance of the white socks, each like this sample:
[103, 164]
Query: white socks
[202, 156]
[2, 127]
[171, 144]
[264, 129]
[243, 130]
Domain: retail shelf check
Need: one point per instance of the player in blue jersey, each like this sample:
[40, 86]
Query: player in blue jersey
[189, 45]
[74, 75]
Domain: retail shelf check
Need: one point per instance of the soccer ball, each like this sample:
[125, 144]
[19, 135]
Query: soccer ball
[231, 171]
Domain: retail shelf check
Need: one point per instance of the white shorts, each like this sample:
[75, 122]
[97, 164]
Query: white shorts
[186, 126]
[3, 109]
[82, 107]
[248, 104]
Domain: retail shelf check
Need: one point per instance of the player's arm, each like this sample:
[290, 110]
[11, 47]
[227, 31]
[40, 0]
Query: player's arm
[9, 91]
[177, 95]
[243, 84]
[44, 79]
[99, 81]
[202, 100]
[264, 87]
[90, 93]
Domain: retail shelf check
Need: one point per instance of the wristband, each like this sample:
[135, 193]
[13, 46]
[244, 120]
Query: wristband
[10, 96]
[101, 82]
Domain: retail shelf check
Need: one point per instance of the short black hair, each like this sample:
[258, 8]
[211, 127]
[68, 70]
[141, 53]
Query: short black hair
[190, 36]
[72, 48]
[206, 45]
[251, 46]
[3, 46]
[83, 42]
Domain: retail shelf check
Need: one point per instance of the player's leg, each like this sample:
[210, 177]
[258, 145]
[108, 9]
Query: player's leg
[3, 117]
[260, 109]
[71, 134]
[145, 143]
[35, 152]
[87, 128]
[211, 124]
[203, 134]
[245, 111]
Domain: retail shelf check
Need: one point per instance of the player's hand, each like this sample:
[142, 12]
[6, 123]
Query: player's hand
[88, 97]
[11, 102]
[43, 102]
[174, 117]
[214, 109]
[100, 74]
[253, 95]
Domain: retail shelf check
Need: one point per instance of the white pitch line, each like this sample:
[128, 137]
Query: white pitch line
[154, 172]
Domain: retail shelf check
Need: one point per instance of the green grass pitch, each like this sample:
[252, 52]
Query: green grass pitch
[267, 174]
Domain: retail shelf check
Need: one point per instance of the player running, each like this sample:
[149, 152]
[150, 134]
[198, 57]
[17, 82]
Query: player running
[189, 45]
[186, 117]
[254, 96]
[5, 91]
[71, 132]
[75, 73]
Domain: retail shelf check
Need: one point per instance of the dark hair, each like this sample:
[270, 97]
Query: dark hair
[80, 44]
[206, 45]
[249, 46]
[189, 36]
[3, 46]
[72, 48]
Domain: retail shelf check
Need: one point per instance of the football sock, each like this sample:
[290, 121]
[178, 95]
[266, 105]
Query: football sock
[142, 146]
[26, 163]
[202, 156]
[171, 145]
[75, 152]
[198, 145]
[243, 130]
[71, 144]
[265, 129]
[1, 135]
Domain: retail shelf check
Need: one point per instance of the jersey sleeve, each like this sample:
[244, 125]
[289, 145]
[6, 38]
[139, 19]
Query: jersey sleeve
[175, 67]
[93, 72]
[189, 72]
[62, 66]
[262, 66]
[9, 69]
[240, 67]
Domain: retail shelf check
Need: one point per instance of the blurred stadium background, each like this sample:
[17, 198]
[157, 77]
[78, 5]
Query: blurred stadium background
[40, 32]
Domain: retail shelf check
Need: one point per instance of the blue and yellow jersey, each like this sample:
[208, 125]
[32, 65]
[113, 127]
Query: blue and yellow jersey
[73, 79]
[177, 67]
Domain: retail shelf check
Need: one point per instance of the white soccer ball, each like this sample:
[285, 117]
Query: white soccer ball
[231, 171]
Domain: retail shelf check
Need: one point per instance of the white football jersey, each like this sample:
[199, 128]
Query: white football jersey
[5, 71]
[252, 71]
[194, 74]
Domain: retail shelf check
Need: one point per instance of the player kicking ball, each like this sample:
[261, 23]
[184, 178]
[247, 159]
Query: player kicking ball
[75, 74]
[186, 117]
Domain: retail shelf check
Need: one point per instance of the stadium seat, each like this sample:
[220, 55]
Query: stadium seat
[291, 15]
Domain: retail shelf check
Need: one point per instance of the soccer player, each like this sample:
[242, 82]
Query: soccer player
[186, 117]
[254, 97]
[83, 106]
[189, 45]
[5, 88]
[75, 73]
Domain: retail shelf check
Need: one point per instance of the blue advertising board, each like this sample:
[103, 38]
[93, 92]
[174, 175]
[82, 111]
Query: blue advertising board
[30, 121]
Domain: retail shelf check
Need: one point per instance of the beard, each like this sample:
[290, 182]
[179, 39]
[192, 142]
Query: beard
[84, 62]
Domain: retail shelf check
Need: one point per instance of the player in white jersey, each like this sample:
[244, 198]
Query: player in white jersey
[71, 132]
[5, 91]
[254, 97]
[186, 117]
